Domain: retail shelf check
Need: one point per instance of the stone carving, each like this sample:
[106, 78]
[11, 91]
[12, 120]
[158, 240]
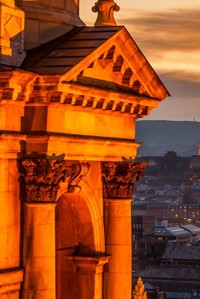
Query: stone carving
[41, 178]
[105, 9]
[118, 178]
[139, 291]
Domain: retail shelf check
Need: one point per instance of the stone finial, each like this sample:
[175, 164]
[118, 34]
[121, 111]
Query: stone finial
[139, 291]
[105, 9]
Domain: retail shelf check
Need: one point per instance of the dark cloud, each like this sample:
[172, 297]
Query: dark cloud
[171, 30]
[182, 76]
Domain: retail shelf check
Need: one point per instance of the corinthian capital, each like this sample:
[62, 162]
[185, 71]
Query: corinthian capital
[118, 178]
[105, 9]
[41, 178]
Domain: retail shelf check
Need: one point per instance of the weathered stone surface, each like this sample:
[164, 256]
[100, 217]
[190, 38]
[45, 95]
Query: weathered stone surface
[46, 20]
[10, 282]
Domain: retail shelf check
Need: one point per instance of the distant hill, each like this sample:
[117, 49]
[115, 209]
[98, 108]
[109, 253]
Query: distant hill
[160, 136]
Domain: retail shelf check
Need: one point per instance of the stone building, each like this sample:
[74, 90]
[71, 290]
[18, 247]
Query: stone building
[70, 96]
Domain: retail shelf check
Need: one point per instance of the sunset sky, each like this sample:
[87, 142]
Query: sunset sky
[168, 33]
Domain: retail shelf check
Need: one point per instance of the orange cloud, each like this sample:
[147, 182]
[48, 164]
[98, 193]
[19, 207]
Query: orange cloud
[170, 39]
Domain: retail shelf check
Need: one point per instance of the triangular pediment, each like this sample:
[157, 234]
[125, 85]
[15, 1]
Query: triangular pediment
[106, 54]
[120, 61]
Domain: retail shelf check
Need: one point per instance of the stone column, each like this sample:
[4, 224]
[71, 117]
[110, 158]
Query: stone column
[89, 271]
[41, 179]
[39, 251]
[118, 187]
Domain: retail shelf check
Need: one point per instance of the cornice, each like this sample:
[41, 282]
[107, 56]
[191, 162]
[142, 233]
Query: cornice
[14, 145]
[42, 90]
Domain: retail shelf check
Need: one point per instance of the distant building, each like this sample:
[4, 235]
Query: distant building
[195, 160]
[194, 230]
[177, 233]
[175, 213]
[142, 226]
[177, 253]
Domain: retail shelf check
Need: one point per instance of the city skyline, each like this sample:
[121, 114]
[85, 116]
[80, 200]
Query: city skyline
[168, 34]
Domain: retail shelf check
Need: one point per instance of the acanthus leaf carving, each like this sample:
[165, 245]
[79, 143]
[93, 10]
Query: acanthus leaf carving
[118, 178]
[41, 178]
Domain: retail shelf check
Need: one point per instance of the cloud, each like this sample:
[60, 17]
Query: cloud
[170, 40]
[176, 29]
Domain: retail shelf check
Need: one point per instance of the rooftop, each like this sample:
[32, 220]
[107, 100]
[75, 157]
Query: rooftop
[62, 54]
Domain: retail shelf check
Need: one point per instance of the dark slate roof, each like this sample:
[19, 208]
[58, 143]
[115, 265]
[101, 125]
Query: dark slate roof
[171, 231]
[191, 228]
[176, 251]
[173, 273]
[60, 55]
[179, 295]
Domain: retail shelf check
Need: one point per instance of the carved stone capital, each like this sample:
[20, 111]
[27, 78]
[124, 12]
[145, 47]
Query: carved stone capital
[41, 178]
[118, 178]
[105, 9]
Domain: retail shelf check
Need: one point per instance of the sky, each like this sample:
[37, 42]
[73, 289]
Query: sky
[168, 33]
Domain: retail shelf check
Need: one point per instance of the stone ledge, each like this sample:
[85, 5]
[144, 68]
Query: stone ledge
[10, 280]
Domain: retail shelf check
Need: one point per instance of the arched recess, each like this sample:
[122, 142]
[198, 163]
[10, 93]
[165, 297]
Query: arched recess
[79, 231]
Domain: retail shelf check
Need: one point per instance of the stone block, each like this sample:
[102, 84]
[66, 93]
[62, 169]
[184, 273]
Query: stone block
[4, 175]
[10, 282]
[122, 253]
[39, 213]
[119, 286]
[13, 175]
[10, 208]
[122, 232]
[3, 245]
[40, 274]
[39, 294]
[39, 240]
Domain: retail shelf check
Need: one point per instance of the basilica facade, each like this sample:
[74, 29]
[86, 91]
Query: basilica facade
[69, 99]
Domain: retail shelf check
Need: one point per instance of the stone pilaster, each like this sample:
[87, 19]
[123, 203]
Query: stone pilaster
[118, 184]
[41, 181]
[89, 271]
[39, 251]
